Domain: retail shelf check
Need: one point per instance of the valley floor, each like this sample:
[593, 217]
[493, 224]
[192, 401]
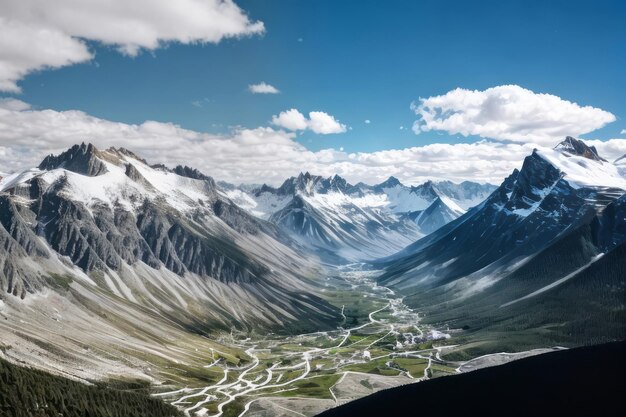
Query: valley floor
[381, 344]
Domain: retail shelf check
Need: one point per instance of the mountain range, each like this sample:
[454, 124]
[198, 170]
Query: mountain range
[544, 253]
[102, 249]
[111, 265]
[346, 222]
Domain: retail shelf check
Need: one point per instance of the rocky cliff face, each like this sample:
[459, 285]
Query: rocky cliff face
[108, 214]
[81, 159]
[572, 146]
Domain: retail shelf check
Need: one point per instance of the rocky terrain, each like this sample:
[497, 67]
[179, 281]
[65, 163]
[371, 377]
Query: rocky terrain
[101, 239]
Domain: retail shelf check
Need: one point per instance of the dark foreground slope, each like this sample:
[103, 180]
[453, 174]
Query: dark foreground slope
[578, 382]
[29, 392]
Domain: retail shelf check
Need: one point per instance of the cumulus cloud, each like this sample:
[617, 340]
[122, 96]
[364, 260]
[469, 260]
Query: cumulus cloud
[319, 122]
[41, 34]
[507, 113]
[291, 119]
[623, 132]
[255, 155]
[324, 123]
[263, 88]
[367, 121]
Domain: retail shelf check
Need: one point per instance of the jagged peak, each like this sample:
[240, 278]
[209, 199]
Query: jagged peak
[390, 182]
[544, 167]
[306, 175]
[82, 159]
[572, 146]
[161, 167]
[338, 180]
[83, 148]
[126, 152]
[309, 184]
[427, 188]
[264, 189]
[189, 172]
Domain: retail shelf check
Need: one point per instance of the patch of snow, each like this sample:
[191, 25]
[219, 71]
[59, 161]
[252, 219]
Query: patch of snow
[452, 205]
[12, 180]
[583, 172]
[400, 199]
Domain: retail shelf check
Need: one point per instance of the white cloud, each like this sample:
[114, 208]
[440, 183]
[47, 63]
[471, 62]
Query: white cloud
[508, 113]
[42, 34]
[324, 123]
[25, 48]
[245, 155]
[263, 88]
[291, 119]
[623, 132]
[318, 122]
[367, 121]
[255, 155]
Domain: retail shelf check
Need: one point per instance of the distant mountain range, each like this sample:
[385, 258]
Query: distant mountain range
[544, 253]
[359, 222]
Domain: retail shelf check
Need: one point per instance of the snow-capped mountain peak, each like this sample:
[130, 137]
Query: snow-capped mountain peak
[358, 221]
[163, 238]
[390, 182]
[82, 159]
[576, 147]
[555, 193]
[549, 174]
[440, 212]
[581, 166]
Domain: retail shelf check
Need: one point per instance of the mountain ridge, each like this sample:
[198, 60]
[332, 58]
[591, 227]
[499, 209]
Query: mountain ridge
[358, 222]
[480, 263]
[102, 234]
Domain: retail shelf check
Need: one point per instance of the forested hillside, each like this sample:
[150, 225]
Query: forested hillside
[28, 392]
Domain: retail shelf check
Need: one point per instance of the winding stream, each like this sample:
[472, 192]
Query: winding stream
[391, 331]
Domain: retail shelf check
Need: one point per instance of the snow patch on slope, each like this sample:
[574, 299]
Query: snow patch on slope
[583, 172]
[452, 205]
[12, 180]
[401, 199]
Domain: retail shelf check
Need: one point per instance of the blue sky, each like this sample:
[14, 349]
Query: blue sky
[355, 60]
